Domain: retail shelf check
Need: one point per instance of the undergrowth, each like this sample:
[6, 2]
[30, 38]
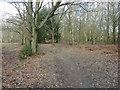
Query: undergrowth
[25, 52]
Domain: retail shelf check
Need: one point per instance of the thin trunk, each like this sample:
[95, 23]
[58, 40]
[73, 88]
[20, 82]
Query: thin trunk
[22, 42]
[92, 37]
[108, 23]
[79, 30]
[119, 26]
[73, 36]
[53, 39]
[69, 26]
[114, 32]
[53, 33]
[53, 27]
[119, 43]
[114, 25]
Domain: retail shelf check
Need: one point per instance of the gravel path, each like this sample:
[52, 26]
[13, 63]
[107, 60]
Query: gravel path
[79, 68]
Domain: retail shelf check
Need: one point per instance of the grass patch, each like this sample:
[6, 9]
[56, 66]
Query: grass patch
[18, 67]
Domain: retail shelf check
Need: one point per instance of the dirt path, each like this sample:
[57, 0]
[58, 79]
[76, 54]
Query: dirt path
[79, 68]
[61, 66]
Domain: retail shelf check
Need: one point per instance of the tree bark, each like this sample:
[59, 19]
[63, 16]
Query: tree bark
[34, 30]
[34, 40]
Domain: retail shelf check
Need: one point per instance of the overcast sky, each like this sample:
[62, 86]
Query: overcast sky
[7, 8]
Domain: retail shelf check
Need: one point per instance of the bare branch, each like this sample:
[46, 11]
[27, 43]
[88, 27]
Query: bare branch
[39, 7]
[50, 14]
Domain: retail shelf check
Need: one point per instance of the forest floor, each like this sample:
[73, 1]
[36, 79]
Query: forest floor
[77, 66]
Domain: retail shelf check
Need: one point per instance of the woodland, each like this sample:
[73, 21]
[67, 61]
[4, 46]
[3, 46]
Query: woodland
[49, 38]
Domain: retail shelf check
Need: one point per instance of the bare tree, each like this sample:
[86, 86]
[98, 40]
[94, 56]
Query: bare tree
[29, 16]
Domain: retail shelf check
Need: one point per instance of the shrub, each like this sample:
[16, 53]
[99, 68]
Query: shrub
[26, 51]
[21, 57]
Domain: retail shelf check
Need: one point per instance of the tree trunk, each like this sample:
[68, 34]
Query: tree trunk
[114, 26]
[108, 23]
[119, 42]
[79, 31]
[53, 38]
[22, 42]
[53, 33]
[34, 41]
[23, 39]
[114, 36]
[119, 27]
[34, 29]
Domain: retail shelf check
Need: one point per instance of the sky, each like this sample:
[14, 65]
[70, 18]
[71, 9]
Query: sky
[8, 8]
